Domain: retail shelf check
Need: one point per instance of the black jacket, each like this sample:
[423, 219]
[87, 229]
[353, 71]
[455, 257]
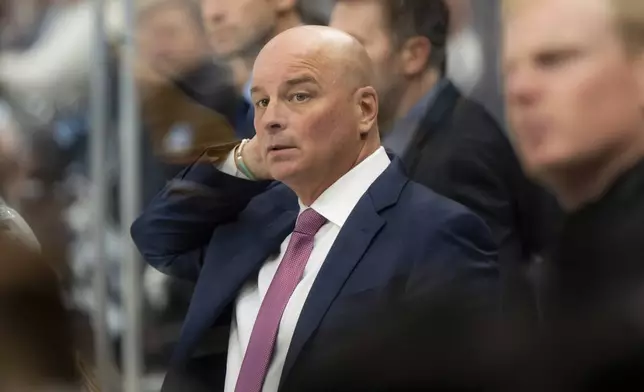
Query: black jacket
[594, 294]
[461, 152]
[599, 256]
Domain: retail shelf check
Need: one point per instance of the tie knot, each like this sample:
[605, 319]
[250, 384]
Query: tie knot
[309, 222]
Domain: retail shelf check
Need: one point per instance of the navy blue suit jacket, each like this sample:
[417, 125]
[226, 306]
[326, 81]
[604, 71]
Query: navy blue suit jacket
[400, 241]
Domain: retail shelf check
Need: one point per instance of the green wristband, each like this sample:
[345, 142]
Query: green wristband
[244, 169]
[239, 160]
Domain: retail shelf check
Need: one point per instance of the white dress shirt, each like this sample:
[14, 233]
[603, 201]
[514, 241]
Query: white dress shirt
[335, 204]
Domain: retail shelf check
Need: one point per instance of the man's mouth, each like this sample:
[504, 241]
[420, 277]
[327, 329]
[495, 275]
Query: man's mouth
[279, 147]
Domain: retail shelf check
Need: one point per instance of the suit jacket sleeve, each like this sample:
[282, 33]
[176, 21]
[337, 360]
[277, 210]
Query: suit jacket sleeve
[461, 267]
[175, 229]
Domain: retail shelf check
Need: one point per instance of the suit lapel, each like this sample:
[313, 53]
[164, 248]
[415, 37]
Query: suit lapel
[220, 280]
[352, 242]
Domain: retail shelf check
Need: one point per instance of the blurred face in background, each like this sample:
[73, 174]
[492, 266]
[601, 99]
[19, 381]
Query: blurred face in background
[236, 27]
[171, 41]
[365, 20]
[574, 93]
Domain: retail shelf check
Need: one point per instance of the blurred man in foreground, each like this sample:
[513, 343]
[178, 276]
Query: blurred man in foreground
[448, 142]
[574, 77]
[290, 267]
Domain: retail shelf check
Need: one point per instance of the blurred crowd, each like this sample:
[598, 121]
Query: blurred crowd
[193, 71]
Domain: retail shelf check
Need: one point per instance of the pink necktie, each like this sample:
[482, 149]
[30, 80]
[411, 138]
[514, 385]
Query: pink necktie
[262, 340]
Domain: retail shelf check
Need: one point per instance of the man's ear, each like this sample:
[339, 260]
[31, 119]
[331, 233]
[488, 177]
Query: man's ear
[366, 103]
[284, 5]
[415, 55]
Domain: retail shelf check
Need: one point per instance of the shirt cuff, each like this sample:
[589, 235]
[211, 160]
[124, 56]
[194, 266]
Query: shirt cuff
[228, 166]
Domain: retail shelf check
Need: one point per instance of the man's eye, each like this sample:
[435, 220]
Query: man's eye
[556, 58]
[262, 103]
[300, 97]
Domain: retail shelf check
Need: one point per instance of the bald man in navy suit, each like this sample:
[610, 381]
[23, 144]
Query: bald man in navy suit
[299, 233]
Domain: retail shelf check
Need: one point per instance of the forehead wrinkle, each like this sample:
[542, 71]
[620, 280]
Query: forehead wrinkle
[302, 70]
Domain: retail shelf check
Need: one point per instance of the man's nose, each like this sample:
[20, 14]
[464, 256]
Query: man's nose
[273, 119]
[213, 11]
[522, 86]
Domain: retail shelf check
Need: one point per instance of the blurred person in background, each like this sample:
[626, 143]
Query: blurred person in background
[188, 102]
[20, 22]
[574, 79]
[237, 30]
[171, 37]
[448, 142]
[51, 75]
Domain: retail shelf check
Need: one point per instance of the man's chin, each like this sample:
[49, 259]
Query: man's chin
[540, 169]
[225, 50]
[226, 54]
[285, 172]
[547, 171]
[234, 51]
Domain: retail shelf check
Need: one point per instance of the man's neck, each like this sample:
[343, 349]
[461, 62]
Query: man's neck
[310, 192]
[588, 183]
[415, 90]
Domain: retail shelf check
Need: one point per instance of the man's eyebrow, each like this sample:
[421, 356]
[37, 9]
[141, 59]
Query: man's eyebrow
[301, 80]
[291, 82]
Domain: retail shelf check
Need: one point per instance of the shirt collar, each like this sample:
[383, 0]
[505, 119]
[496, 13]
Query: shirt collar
[337, 202]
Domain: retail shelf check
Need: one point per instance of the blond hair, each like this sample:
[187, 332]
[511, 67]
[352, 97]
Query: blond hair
[628, 16]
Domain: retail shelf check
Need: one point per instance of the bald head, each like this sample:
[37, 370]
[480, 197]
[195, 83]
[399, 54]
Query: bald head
[338, 52]
[315, 107]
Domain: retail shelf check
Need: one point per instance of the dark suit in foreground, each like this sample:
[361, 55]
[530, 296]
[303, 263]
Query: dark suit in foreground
[401, 243]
